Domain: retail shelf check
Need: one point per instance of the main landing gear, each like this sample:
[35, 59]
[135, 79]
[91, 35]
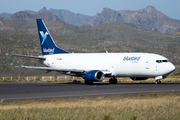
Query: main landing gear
[113, 80]
[158, 82]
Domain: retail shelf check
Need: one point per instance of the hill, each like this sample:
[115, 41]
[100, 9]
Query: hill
[1, 18]
[31, 18]
[51, 15]
[178, 30]
[66, 15]
[24, 26]
[149, 16]
[107, 15]
[111, 37]
[60, 27]
[71, 18]
[16, 26]
[141, 27]
[5, 15]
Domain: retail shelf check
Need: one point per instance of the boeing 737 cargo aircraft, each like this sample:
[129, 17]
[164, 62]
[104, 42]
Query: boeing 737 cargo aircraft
[96, 66]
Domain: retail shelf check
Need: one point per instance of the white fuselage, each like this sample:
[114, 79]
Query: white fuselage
[119, 64]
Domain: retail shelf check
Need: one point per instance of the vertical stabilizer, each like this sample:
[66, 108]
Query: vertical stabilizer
[48, 46]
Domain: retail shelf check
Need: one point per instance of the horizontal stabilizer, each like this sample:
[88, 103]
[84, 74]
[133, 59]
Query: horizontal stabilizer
[28, 56]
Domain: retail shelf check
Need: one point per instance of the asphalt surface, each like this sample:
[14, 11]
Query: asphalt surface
[27, 91]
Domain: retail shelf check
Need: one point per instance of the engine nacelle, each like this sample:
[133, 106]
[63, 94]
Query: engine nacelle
[94, 75]
[139, 78]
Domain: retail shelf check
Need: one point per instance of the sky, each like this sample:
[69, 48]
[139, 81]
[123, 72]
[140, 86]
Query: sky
[170, 8]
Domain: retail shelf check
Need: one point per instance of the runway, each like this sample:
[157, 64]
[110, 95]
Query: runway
[27, 91]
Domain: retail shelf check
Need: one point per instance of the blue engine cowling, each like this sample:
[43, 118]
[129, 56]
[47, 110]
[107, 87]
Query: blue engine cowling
[94, 75]
[139, 78]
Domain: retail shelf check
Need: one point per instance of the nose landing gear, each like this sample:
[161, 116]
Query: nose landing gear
[158, 79]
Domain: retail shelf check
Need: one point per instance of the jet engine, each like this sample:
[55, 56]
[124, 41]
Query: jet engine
[139, 78]
[94, 75]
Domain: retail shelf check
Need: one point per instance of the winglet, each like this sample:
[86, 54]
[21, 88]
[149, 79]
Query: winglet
[47, 43]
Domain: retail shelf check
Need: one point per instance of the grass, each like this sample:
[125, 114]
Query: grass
[42, 79]
[169, 79]
[142, 107]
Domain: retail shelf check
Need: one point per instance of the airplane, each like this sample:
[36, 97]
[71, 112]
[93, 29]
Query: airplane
[94, 67]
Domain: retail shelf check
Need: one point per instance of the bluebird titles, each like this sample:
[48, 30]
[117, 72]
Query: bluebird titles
[133, 58]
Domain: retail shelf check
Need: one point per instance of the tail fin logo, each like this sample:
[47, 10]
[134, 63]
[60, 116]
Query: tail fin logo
[44, 36]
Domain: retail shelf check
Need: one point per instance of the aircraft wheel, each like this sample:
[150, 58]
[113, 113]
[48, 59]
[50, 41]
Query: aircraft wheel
[113, 80]
[158, 82]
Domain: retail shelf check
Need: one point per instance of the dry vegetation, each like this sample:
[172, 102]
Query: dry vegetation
[153, 106]
[62, 79]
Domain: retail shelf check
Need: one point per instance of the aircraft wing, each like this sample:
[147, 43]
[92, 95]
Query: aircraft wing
[64, 71]
[52, 69]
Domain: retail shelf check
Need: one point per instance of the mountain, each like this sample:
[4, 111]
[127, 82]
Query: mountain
[31, 18]
[71, 18]
[107, 15]
[43, 10]
[26, 23]
[1, 18]
[116, 31]
[5, 15]
[141, 27]
[17, 26]
[67, 16]
[178, 30]
[148, 16]
[31, 12]
[61, 27]
[111, 37]
[151, 17]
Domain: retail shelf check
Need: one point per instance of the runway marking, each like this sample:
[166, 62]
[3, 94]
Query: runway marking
[140, 92]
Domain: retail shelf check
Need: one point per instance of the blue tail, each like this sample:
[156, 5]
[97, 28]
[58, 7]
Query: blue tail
[48, 46]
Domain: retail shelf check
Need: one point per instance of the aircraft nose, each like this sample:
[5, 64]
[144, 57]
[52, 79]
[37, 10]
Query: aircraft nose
[172, 67]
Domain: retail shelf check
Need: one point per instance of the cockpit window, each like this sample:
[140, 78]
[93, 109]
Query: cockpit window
[160, 61]
[165, 60]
